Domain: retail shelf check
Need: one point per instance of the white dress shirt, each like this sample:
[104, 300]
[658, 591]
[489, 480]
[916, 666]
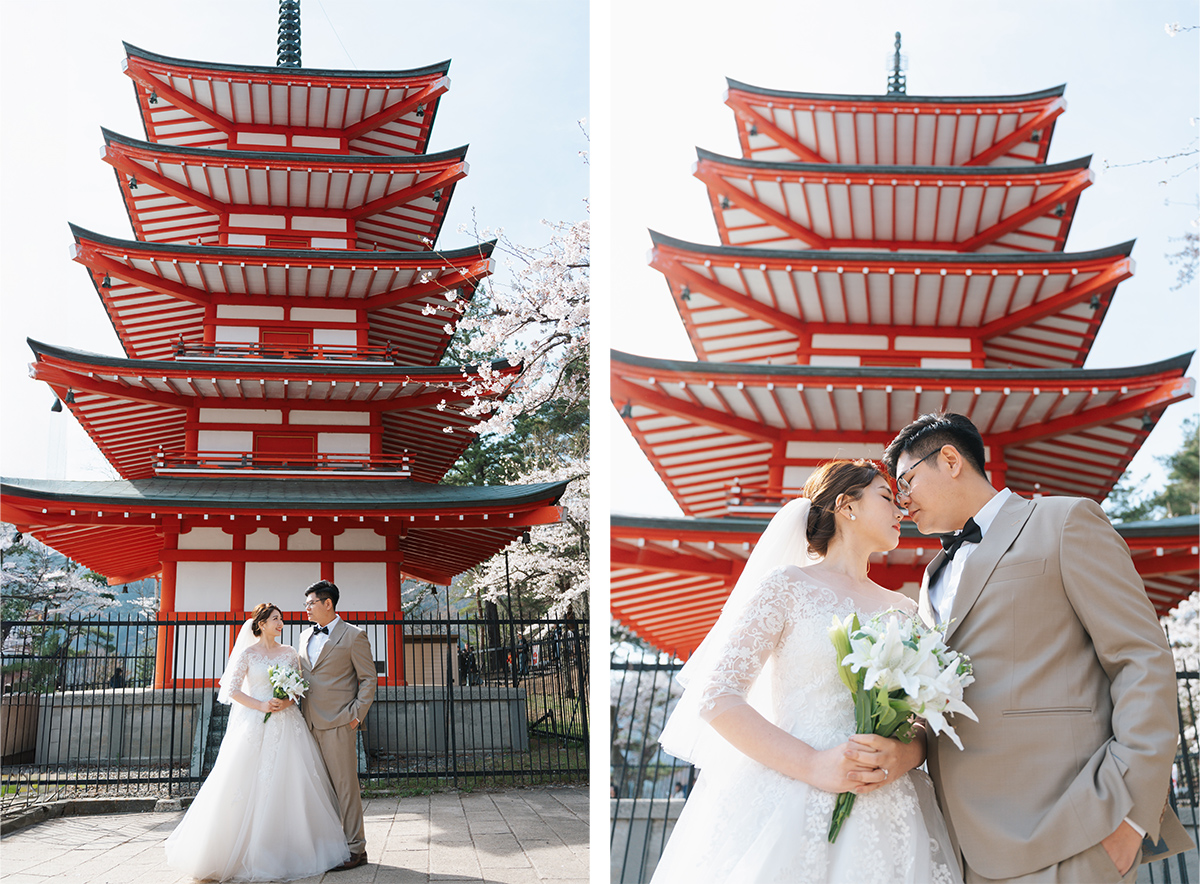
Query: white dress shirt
[945, 587]
[317, 640]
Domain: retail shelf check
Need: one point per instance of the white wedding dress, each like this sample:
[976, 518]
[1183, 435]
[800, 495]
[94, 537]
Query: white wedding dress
[745, 822]
[267, 811]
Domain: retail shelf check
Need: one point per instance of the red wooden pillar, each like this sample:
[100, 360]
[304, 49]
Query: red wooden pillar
[998, 467]
[164, 645]
[237, 576]
[775, 470]
[395, 632]
[327, 561]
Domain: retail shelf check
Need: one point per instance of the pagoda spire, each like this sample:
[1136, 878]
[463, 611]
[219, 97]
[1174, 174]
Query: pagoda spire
[289, 34]
[895, 78]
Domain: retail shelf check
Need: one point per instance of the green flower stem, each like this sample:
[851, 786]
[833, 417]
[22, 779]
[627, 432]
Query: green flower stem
[278, 694]
[866, 716]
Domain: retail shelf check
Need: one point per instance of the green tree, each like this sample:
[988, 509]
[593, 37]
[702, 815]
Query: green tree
[1180, 496]
[558, 426]
[38, 583]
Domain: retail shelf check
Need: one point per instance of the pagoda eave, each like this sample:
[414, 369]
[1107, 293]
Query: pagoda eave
[894, 129]
[138, 411]
[670, 577]
[960, 209]
[718, 433]
[157, 294]
[1018, 310]
[276, 73]
[118, 528]
[194, 195]
[116, 143]
[222, 105]
[904, 99]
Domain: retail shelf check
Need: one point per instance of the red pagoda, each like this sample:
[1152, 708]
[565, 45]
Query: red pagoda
[881, 257]
[281, 413]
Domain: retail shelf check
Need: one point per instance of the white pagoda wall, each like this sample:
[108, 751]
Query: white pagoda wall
[207, 587]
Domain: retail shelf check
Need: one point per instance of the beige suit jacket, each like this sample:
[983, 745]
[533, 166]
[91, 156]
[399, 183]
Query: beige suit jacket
[1074, 689]
[342, 683]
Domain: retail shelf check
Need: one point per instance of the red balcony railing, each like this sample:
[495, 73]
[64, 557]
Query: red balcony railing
[757, 498]
[260, 351]
[247, 463]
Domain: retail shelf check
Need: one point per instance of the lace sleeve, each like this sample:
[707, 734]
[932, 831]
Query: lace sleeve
[232, 679]
[752, 639]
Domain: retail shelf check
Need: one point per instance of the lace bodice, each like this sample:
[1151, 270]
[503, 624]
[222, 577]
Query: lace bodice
[783, 637]
[748, 822]
[250, 669]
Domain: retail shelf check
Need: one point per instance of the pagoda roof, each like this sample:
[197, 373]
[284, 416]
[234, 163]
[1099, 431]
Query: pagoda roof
[131, 408]
[707, 427]
[948, 208]
[1003, 310]
[670, 577]
[157, 293]
[895, 130]
[116, 528]
[185, 194]
[226, 106]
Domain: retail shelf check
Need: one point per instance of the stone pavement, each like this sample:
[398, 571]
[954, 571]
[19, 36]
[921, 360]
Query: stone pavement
[518, 836]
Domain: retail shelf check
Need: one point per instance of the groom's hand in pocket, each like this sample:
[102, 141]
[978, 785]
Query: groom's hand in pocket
[1122, 846]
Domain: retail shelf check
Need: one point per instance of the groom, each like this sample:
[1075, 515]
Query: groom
[1069, 765]
[336, 661]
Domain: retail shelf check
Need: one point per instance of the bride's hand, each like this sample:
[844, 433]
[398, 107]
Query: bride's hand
[833, 770]
[276, 705]
[889, 757]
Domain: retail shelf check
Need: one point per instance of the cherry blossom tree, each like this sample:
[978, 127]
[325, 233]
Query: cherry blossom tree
[38, 583]
[539, 318]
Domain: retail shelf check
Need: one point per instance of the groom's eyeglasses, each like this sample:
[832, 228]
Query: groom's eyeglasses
[902, 486]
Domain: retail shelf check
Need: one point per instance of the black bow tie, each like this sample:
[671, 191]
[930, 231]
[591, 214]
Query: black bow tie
[969, 534]
[321, 630]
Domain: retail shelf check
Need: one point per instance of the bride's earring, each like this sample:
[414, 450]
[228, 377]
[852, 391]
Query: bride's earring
[851, 516]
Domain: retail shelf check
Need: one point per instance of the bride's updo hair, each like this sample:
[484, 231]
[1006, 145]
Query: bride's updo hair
[260, 614]
[828, 482]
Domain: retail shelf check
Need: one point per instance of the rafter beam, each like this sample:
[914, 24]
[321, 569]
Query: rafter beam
[1040, 120]
[765, 126]
[397, 110]
[623, 390]
[442, 179]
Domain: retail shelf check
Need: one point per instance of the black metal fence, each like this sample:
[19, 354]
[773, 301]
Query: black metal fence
[648, 788]
[128, 707]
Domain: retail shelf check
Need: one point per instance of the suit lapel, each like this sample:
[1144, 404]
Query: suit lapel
[1000, 536]
[336, 634]
[303, 649]
[924, 603]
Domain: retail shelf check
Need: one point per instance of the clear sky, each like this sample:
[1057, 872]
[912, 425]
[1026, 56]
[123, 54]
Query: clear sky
[519, 85]
[1131, 95]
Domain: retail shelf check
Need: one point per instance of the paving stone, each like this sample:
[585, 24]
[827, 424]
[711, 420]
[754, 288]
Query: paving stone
[525, 836]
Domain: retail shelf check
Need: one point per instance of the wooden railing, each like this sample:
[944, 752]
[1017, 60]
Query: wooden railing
[754, 498]
[261, 351]
[346, 465]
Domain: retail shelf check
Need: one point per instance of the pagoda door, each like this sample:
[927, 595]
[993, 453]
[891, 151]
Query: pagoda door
[280, 343]
[291, 450]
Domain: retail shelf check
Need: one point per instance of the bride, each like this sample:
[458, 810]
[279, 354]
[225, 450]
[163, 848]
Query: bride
[267, 811]
[771, 726]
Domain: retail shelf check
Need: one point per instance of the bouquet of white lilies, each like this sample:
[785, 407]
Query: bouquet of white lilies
[287, 682]
[897, 670]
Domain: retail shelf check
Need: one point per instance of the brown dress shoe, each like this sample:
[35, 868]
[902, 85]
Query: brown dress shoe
[356, 860]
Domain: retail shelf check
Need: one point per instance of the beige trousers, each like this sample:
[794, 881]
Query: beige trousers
[1090, 867]
[339, 749]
